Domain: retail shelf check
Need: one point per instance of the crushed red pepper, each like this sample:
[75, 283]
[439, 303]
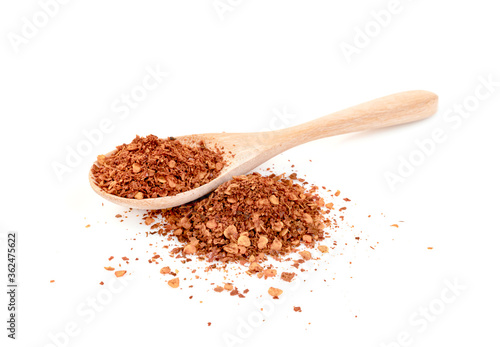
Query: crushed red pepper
[246, 220]
[150, 167]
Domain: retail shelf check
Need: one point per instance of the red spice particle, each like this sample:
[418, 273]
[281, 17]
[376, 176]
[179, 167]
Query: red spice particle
[209, 324]
[101, 283]
[337, 193]
[395, 225]
[306, 255]
[297, 309]
[218, 289]
[165, 270]
[120, 273]
[52, 281]
[111, 258]
[109, 268]
[287, 276]
[275, 292]
[174, 282]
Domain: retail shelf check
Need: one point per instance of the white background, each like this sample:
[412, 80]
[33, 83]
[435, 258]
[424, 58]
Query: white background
[232, 73]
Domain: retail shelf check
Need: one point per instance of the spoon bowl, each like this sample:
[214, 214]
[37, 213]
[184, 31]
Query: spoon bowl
[245, 151]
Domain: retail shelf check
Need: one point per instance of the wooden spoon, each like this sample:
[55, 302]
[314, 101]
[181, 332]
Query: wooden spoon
[245, 151]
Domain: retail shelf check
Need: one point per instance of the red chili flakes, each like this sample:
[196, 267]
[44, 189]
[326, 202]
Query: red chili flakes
[287, 276]
[111, 258]
[150, 167]
[209, 324]
[109, 268]
[323, 249]
[218, 289]
[337, 193]
[120, 273]
[52, 281]
[246, 219]
[297, 309]
[274, 292]
[102, 283]
[165, 270]
[395, 225]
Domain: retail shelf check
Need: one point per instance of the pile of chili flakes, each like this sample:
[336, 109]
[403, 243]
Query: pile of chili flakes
[246, 220]
[150, 167]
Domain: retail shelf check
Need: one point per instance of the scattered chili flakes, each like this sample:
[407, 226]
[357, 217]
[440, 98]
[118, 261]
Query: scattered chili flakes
[52, 281]
[109, 268]
[395, 225]
[430, 247]
[174, 282]
[297, 309]
[150, 167]
[101, 283]
[120, 273]
[218, 289]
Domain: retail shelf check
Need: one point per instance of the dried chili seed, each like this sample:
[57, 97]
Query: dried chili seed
[323, 249]
[189, 249]
[174, 282]
[275, 292]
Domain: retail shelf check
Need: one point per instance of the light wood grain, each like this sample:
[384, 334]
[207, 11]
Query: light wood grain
[245, 151]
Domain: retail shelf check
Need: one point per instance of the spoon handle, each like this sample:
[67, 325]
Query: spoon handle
[389, 110]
